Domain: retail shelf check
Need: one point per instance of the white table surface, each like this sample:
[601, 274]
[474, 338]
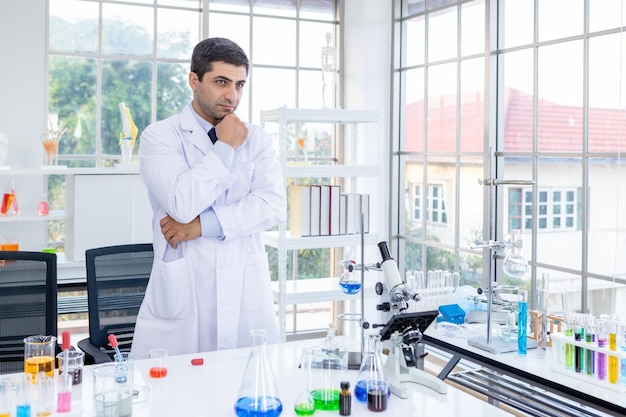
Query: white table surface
[211, 389]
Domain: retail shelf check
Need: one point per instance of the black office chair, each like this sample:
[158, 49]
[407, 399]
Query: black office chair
[117, 277]
[28, 303]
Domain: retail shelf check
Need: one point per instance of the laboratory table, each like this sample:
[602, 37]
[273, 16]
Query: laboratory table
[211, 389]
[533, 369]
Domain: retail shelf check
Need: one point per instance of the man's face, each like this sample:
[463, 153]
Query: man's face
[219, 92]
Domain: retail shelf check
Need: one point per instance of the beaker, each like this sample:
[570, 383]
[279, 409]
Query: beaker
[371, 385]
[329, 362]
[258, 392]
[39, 354]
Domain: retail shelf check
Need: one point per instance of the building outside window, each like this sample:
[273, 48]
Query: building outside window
[542, 84]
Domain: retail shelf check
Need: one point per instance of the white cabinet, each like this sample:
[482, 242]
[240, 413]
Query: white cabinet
[325, 146]
[102, 206]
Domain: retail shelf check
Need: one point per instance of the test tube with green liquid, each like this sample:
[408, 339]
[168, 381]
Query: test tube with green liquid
[590, 338]
[568, 323]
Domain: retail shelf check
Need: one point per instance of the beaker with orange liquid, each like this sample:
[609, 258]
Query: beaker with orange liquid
[39, 354]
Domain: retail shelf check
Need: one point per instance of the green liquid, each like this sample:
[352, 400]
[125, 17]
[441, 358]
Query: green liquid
[304, 409]
[326, 399]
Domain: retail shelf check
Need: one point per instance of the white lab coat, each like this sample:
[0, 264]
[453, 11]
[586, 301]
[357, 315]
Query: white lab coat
[208, 293]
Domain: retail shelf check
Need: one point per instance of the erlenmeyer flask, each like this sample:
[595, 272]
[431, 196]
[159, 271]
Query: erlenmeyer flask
[258, 392]
[371, 385]
[329, 362]
[305, 405]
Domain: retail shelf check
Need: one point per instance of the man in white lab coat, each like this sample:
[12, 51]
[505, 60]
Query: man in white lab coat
[212, 195]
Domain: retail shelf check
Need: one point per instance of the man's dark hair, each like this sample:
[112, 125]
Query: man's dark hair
[217, 50]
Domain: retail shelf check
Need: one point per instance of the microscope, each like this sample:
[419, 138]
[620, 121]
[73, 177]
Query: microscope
[402, 330]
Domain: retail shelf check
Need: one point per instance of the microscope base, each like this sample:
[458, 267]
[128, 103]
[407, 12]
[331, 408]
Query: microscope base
[416, 376]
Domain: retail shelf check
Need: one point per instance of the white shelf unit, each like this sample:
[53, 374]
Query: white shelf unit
[355, 162]
[31, 183]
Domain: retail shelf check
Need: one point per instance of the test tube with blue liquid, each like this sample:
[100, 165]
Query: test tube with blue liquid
[522, 323]
[623, 347]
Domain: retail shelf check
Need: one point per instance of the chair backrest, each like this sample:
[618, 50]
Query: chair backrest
[28, 303]
[117, 277]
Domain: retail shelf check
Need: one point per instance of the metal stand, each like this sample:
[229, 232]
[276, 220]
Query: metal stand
[493, 246]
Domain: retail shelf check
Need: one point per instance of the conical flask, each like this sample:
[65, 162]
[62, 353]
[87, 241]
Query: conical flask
[329, 362]
[258, 392]
[305, 405]
[371, 386]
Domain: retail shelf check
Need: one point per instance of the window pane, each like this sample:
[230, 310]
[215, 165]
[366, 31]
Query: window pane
[310, 89]
[413, 256]
[599, 293]
[442, 35]
[73, 26]
[411, 216]
[233, 27]
[119, 78]
[442, 115]
[516, 105]
[442, 188]
[271, 46]
[173, 91]
[606, 14]
[472, 116]
[178, 33]
[317, 9]
[72, 96]
[607, 235]
[266, 95]
[560, 93]
[471, 196]
[314, 38]
[275, 7]
[439, 259]
[413, 119]
[415, 41]
[516, 22]
[560, 19]
[241, 6]
[473, 28]
[180, 3]
[127, 30]
[606, 92]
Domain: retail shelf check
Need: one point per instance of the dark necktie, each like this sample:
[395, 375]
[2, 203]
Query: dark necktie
[212, 135]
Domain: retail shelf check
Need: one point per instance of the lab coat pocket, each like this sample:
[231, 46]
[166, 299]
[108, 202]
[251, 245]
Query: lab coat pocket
[170, 289]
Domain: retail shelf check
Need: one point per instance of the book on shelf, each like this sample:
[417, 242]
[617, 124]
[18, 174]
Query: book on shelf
[342, 214]
[316, 195]
[365, 209]
[335, 202]
[300, 210]
[324, 210]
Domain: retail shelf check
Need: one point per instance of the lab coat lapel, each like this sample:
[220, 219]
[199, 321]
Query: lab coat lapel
[197, 135]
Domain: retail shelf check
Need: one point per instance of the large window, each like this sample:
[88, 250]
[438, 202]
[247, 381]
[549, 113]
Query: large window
[541, 83]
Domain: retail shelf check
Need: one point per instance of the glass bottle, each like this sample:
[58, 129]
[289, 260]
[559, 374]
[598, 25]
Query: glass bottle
[345, 399]
[328, 366]
[258, 392]
[304, 405]
[349, 281]
[43, 209]
[515, 265]
[371, 386]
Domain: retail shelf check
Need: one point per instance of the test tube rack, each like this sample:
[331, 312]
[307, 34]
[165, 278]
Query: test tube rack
[559, 340]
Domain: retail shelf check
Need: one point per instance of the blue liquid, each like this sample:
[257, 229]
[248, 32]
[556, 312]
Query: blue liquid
[258, 407]
[23, 410]
[350, 287]
[360, 390]
[522, 314]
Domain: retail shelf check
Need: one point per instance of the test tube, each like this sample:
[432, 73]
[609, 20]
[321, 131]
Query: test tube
[579, 335]
[542, 314]
[623, 346]
[568, 322]
[590, 338]
[522, 323]
[612, 325]
[601, 326]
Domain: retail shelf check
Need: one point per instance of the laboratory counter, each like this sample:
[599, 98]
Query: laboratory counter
[535, 374]
[211, 389]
